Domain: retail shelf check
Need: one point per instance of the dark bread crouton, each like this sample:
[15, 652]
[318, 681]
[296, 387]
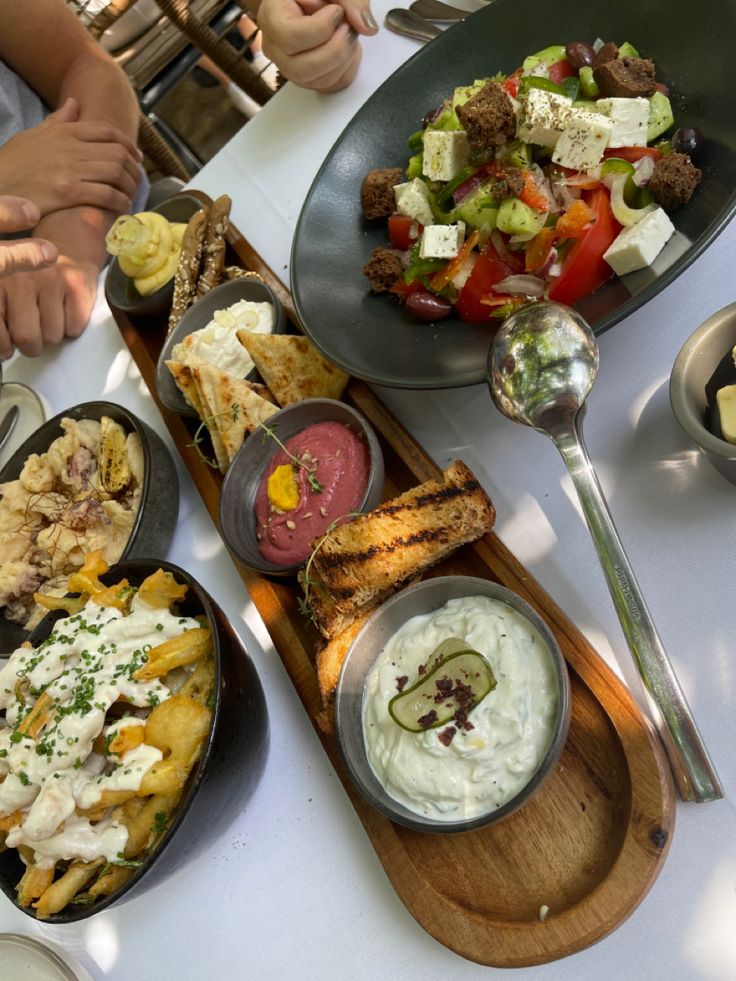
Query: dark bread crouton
[383, 269]
[673, 180]
[488, 117]
[625, 78]
[377, 192]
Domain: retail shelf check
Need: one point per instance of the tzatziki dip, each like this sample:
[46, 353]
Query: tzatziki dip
[217, 342]
[472, 765]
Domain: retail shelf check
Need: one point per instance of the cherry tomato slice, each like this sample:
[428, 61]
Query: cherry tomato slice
[403, 231]
[488, 270]
[561, 70]
[584, 268]
[633, 153]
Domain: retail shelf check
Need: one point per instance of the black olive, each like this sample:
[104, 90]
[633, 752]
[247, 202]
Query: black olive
[428, 306]
[431, 116]
[688, 139]
[579, 54]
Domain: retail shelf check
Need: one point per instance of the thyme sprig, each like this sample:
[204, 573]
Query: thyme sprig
[311, 471]
[306, 578]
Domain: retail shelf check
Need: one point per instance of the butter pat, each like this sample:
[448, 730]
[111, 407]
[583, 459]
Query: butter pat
[412, 200]
[442, 241]
[726, 401]
[445, 154]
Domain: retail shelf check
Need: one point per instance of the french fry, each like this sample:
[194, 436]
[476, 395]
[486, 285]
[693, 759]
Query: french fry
[164, 777]
[160, 590]
[116, 596]
[37, 718]
[201, 682]
[109, 882]
[86, 579]
[72, 604]
[126, 739]
[11, 821]
[33, 884]
[175, 653]
[179, 726]
[60, 893]
[141, 821]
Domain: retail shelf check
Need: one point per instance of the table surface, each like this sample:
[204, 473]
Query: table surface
[294, 889]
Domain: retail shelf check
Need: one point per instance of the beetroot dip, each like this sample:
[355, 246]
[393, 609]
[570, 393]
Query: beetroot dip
[340, 461]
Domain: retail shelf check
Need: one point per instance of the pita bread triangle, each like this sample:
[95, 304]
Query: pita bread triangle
[233, 405]
[182, 375]
[292, 367]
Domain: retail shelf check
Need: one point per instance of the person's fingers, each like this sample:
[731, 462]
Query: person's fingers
[334, 82]
[98, 132]
[25, 255]
[331, 58]
[68, 112]
[293, 32]
[113, 174]
[52, 314]
[358, 15]
[6, 344]
[17, 214]
[78, 303]
[22, 317]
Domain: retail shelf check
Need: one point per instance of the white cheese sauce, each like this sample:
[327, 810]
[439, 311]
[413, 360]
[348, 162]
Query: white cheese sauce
[484, 767]
[87, 663]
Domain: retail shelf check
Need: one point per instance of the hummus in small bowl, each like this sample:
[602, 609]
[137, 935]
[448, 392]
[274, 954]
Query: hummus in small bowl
[309, 468]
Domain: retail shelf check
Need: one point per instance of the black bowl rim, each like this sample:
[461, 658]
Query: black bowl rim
[229, 481]
[395, 811]
[143, 567]
[476, 376]
[179, 404]
[678, 399]
[158, 295]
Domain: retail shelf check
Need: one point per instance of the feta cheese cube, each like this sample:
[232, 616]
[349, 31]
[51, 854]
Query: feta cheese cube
[445, 153]
[630, 118]
[412, 200]
[442, 241]
[583, 139]
[542, 117]
[637, 246]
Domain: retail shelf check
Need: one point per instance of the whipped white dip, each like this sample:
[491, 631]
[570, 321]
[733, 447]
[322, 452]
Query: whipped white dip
[217, 342]
[484, 767]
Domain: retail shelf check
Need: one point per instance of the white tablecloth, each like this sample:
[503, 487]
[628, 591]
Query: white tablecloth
[294, 889]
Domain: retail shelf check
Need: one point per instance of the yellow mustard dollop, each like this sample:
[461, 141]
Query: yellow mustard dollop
[283, 488]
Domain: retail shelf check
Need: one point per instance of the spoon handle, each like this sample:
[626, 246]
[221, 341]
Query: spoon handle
[409, 24]
[694, 774]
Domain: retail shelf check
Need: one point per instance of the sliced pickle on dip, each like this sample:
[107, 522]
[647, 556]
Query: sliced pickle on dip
[456, 680]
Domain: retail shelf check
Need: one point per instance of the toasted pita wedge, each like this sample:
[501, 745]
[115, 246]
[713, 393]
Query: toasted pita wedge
[182, 375]
[233, 405]
[292, 367]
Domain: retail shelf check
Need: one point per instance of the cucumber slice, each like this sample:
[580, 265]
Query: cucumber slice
[457, 680]
[627, 50]
[516, 218]
[660, 116]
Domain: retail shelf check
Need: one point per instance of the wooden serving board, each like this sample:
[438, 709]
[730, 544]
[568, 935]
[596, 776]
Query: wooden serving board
[588, 845]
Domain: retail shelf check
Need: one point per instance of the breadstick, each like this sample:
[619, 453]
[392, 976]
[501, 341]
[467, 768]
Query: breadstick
[187, 272]
[235, 272]
[213, 253]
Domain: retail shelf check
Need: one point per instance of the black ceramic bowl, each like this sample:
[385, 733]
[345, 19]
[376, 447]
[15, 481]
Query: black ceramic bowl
[159, 505]
[373, 337]
[119, 289]
[420, 599]
[239, 489]
[226, 775]
[197, 317]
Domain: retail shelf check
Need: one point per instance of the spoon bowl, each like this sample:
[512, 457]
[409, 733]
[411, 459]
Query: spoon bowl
[541, 368]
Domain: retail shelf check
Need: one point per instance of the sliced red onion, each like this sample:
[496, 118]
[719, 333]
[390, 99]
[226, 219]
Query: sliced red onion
[462, 274]
[498, 243]
[467, 187]
[549, 263]
[555, 269]
[524, 283]
[643, 168]
[598, 44]
[432, 115]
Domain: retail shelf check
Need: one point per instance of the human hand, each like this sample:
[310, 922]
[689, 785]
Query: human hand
[65, 163]
[42, 307]
[314, 43]
[17, 255]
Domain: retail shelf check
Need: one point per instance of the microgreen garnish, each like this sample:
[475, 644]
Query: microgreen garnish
[298, 461]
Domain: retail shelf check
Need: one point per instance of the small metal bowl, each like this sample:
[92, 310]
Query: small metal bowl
[197, 317]
[158, 511]
[119, 289]
[237, 500]
[421, 598]
[228, 771]
[698, 359]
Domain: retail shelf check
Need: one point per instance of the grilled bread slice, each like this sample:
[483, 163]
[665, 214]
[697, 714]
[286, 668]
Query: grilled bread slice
[361, 563]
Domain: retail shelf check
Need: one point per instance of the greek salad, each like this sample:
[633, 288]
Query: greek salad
[541, 184]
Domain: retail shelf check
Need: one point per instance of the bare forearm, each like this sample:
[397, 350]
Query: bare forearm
[78, 233]
[103, 93]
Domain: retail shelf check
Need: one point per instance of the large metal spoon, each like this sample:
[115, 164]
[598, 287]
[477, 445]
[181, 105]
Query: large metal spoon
[541, 367]
[409, 24]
